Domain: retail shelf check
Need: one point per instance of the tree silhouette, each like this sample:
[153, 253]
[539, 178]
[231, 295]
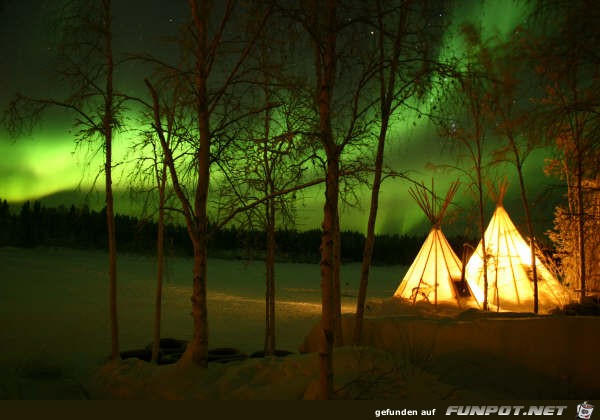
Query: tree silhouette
[403, 51]
[567, 63]
[469, 132]
[87, 65]
[202, 102]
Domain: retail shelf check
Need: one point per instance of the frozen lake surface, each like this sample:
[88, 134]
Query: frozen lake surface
[54, 305]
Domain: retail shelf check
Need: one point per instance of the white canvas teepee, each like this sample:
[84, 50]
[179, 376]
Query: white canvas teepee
[510, 283]
[433, 274]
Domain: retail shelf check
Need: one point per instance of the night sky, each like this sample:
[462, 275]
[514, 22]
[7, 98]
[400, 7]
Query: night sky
[46, 164]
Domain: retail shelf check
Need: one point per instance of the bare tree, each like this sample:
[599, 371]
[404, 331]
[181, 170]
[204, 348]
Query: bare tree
[281, 169]
[87, 66]
[467, 127]
[159, 169]
[204, 101]
[150, 177]
[403, 49]
[161, 182]
[323, 21]
[277, 166]
[567, 62]
[327, 30]
[509, 116]
[268, 157]
[273, 161]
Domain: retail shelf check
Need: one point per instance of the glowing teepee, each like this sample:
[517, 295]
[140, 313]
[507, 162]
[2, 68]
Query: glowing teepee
[435, 272]
[510, 284]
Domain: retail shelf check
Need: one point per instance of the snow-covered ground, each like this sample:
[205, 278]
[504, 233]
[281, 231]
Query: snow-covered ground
[54, 332]
[54, 310]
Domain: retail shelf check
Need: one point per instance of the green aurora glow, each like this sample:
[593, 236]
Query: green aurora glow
[46, 162]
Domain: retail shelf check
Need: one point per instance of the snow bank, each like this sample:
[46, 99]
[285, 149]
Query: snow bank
[360, 373]
[563, 349]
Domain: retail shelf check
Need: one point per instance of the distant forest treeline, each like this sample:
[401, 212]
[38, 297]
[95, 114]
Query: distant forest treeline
[82, 228]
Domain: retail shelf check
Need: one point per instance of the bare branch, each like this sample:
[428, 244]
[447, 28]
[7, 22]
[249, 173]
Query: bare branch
[187, 208]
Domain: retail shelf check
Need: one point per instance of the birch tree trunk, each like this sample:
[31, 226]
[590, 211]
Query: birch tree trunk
[270, 280]
[327, 277]
[370, 238]
[270, 231]
[337, 291]
[199, 345]
[107, 123]
[160, 257]
[532, 244]
[325, 66]
[386, 96]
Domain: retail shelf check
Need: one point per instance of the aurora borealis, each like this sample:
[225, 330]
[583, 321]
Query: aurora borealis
[47, 161]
